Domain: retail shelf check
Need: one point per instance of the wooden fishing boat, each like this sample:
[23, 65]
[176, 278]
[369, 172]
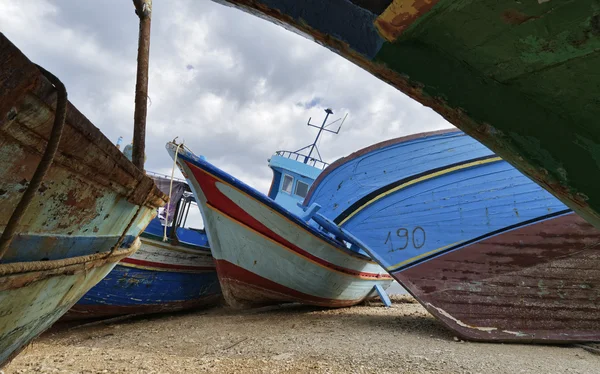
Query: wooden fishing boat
[520, 77]
[267, 255]
[487, 251]
[162, 276]
[74, 204]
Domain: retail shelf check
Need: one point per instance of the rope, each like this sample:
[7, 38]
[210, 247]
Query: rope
[44, 165]
[37, 266]
[170, 191]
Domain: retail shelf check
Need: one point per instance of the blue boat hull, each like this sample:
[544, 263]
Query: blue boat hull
[482, 247]
[160, 277]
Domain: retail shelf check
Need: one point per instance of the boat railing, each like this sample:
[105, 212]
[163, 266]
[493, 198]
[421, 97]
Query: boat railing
[303, 158]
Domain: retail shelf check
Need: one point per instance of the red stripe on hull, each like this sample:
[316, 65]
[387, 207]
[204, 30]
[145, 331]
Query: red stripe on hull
[539, 283]
[242, 288]
[161, 265]
[222, 203]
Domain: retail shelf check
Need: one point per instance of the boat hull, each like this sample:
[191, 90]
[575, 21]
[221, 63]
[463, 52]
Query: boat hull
[482, 247]
[267, 256]
[463, 59]
[160, 277]
[33, 295]
[92, 201]
[539, 283]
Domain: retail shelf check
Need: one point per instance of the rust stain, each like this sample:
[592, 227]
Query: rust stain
[400, 15]
[514, 17]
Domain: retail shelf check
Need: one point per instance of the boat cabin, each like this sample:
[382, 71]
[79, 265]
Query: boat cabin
[293, 174]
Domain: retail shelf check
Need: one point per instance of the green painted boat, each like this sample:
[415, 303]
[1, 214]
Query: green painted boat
[522, 77]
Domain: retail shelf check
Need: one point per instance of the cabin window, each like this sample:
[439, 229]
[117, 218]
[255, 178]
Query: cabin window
[301, 189]
[288, 182]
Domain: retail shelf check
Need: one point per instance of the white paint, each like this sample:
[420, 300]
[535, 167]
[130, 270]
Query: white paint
[462, 324]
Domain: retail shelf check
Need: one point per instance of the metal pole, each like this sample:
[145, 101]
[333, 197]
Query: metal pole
[328, 111]
[143, 8]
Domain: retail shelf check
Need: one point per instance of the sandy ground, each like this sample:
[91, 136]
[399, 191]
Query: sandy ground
[290, 339]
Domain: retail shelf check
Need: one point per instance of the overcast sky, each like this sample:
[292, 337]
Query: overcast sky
[234, 87]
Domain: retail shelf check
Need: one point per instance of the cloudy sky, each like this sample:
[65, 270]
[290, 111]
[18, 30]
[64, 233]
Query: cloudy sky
[234, 87]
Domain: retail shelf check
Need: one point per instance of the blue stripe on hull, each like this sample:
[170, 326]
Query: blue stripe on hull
[126, 286]
[25, 248]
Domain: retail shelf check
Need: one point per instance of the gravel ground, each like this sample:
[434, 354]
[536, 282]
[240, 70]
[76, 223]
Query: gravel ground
[294, 339]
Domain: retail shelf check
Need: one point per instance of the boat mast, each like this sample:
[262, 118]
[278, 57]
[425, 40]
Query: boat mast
[143, 8]
[323, 127]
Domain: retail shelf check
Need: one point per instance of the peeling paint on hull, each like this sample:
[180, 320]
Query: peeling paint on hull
[91, 202]
[487, 251]
[540, 283]
[521, 77]
[32, 300]
[266, 255]
[160, 277]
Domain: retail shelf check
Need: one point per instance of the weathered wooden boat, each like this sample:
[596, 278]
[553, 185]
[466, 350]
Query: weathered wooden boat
[267, 255]
[74, 204]
[162, 276]
[486, 250]
[518, 76]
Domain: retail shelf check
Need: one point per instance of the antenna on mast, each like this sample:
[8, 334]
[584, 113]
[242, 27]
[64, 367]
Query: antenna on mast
[323, 127]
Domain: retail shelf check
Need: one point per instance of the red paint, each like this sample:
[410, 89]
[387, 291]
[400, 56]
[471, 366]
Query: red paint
[225, 205]
[248, 288]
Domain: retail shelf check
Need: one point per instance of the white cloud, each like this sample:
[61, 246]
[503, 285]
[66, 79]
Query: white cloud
[224, 81]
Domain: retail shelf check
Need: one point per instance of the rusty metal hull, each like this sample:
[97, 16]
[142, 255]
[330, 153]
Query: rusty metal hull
[521, 77]
[92, 200]
[538, 283]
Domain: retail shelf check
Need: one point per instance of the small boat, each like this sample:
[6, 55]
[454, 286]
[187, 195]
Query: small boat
[487, 251]
[265, 254]
[74, 205]
[163, 275]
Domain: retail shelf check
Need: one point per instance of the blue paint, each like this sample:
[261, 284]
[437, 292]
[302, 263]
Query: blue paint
[295, 172]
[26, 247]
[188, 156]
[126, 286]
[479, 197]
[188, 236]
[154, 282]
[299, 172]
[338, 18]
[383, 296]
